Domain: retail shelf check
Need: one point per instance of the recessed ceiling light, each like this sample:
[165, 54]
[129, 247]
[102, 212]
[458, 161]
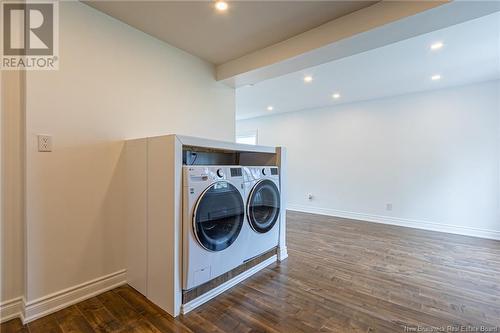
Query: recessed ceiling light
[270, 108]
[336, 95]
[221, 6]
[308, 78]
[436, 46]
[436, 77]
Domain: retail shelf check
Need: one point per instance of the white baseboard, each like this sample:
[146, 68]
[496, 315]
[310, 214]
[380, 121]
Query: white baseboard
[426, 225]
[11, 309]
[225, 286]
[282, 253]
[51, 303]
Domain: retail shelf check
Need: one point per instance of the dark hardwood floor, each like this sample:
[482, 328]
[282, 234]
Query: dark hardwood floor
[341, 276]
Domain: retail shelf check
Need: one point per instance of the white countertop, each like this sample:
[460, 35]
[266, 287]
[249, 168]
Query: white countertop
[224, 145]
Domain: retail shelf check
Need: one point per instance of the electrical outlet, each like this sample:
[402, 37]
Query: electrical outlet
[388, 207]
[44, 143]
[309, 196]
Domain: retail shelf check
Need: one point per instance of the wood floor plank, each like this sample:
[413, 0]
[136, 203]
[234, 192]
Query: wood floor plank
[341, 276]
[47, 324]
[137, 301]
[13, 326]
[167, 324]
[224, 321]
[99, 317]
[120, 309]
[71, 320]
[142, 326]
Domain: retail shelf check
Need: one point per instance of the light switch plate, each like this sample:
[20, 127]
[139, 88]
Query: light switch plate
[44, 143]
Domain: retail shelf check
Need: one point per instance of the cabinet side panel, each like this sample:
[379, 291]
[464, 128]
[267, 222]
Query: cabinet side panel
[282, 163]
[178, 216]
[164, 204]
[136, 245]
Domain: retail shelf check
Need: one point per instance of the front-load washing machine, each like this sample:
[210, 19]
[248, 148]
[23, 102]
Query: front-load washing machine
[262, 193]
[213, 220]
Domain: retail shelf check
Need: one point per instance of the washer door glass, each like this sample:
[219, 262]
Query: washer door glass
[263, 206]
[218, 216]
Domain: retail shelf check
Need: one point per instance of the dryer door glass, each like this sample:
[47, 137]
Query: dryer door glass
[263, 206]
[218, 216]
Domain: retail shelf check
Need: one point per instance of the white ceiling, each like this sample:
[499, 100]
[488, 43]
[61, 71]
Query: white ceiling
[247, 26]
[471, 53]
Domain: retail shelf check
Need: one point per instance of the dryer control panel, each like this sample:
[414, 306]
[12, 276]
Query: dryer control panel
[211, 173]
[255, 173]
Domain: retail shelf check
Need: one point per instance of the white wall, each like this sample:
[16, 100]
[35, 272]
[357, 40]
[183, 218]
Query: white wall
[435, 156]
[12, 188]
[114, 82]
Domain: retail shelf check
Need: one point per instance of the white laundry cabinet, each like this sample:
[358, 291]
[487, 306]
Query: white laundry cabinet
[154, 206]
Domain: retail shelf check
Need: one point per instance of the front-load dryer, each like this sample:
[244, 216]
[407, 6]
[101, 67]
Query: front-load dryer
[262, 193]
[213, 221]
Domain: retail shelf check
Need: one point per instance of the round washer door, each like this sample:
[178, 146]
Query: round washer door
[263, 207]
[218, 216]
